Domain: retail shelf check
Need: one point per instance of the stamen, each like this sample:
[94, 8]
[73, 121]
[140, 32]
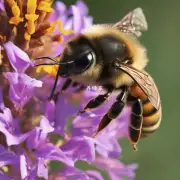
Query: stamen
[30, 23]
[59, 143]
[27, 36]
[31, 6]
[5, 168]
[31, 18]
[61, 28]
[45, 6]
[16, 19]
[45, 9]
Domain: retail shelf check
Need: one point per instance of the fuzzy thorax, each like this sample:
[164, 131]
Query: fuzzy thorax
[136, 50]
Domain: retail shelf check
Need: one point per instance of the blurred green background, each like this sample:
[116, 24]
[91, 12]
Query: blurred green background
[158, 156]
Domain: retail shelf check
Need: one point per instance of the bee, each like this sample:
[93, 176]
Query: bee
[110, 55]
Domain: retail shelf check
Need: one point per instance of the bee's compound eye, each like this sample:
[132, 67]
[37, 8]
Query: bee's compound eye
[84, 61]
[90, 57]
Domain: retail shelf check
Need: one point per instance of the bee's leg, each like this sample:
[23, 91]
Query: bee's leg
[97, 101]
[54, 86]
[136, 121]
[114, 111]
[75, 84]
[67, 83]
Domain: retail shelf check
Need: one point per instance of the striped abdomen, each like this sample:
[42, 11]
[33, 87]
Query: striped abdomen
[151, 116]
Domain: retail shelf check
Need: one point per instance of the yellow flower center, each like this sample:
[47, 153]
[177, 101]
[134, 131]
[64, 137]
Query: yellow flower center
[36, 12]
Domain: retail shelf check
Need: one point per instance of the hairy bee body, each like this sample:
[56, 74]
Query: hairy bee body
[101, 73]
[112, 57]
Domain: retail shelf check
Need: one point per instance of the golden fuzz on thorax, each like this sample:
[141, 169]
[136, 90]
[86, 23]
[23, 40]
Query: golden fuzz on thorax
[137, 51]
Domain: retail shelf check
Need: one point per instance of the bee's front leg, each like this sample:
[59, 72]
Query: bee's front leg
[99, 100]
[65, 86]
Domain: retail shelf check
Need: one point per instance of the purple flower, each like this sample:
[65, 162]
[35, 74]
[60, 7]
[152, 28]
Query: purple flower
[17, 57]
[7, 157]
[78, 13]
[115, 168]
[21, 85]
[80, 148]
[36, 132]
[21, 88]
[10, 127]
[30, 170]
[70, 173]
[37, 143]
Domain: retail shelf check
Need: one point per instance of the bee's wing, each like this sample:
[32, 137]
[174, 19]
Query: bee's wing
[145, 82]
[134, 23]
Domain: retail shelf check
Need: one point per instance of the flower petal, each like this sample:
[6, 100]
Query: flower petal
[63, 111]
[13, 139]
[80, 148]
[4, 177]
[77, 19]
[42, 170]
[50, 111]
[37, 144]
[82, 7]
[108, 147]
[21, 88]
[94, 175]
[7, 157]
[45, 125]
[17, 57]
[23, 167]
[71, 173]
[51, 152]
[88, 21]
[115, 168]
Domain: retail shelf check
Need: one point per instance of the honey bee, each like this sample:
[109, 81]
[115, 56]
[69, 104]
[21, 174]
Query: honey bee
[110, 55]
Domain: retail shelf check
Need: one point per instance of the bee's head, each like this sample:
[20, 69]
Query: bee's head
[78, 57]
[89, 57]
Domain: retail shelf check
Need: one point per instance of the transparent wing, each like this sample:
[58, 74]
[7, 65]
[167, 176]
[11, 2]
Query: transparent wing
[134, 23]
[145, 82]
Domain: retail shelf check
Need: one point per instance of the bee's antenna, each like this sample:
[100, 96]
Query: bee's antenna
[46, 57]
[44, 64]
[56, 63]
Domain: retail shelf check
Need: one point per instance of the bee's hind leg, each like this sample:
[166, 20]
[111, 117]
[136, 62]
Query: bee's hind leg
[115, 110]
